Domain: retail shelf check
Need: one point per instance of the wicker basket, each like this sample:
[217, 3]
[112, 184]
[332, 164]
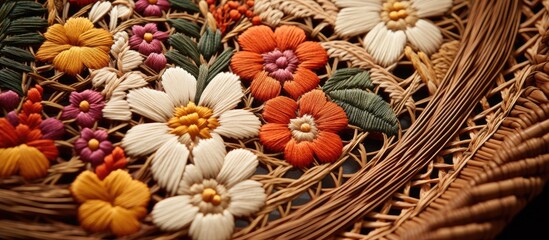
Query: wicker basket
[468, 152]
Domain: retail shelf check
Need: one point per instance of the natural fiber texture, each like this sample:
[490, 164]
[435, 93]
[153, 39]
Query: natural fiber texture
[298, 128]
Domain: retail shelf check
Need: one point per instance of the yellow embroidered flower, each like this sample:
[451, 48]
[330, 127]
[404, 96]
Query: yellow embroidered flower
[116, 203]
[75, 45]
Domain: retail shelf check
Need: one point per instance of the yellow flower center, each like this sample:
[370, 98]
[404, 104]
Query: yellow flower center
[398, 14]
[153, 1]
[84, 106]
[197, 121]
[211, 196]
[93, 144]
[305, 127]
[148, 37]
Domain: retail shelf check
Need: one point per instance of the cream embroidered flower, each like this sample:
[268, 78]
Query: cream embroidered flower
[179, 122]
[213, 191]
[390, 23]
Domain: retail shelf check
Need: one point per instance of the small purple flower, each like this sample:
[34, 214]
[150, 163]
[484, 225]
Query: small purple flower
[147, 39]
[52, 128]
[156, 61]
[93, 146]
[85, 106]
[13, 118]
[152, 7]
[9, 100]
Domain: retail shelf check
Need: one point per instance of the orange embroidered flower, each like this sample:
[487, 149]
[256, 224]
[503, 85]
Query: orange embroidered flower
[303, 129]
[75, 45]
[115, 160]
[115, 203]
[276, 60]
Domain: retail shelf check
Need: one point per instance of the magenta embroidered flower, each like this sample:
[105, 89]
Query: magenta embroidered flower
[85, 107]
[13, 118]
[9, 100]
[156, 61]
[93, 146]
[152, 7]
[52, 128]
[147, 39]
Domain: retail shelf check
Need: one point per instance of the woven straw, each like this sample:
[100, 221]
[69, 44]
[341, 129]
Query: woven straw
[471, 150]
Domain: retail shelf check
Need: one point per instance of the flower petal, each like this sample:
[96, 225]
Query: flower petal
[191, 176]
[95, 215]
[279, 110]
[10, 161]
[74, 27]
[124, 222]
[174, 213]
[223, 93]
[145, 138]
[96, 38]
[95, 58]
[151, 104]
[46, 147]
[238, 124]
[312, 103]
[127, 193]
[87, 186]
[264, 87]
[385, 45]
[169, 163]
[179, 85]
[425, 36]
[8, 135]
[304, 80]
[357, 3]
[258, 39]
[311, 55]
[247, 197]
[212, 226]
[327, 147]
[239, 164]
[331, 118]
[275, 136]
[32, 163]
[56, 34]
[430, 8]
[69, 61]
[357, 19]
[208, 156]
[298, 154]
[247, 64]
[288, 37]
[49, 50]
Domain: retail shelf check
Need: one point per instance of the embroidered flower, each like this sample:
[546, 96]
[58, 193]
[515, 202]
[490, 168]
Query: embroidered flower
[147, 39]
[212, 192]
[75, 45]
[156, 61]
[152, 7]
[115, 203]
[390, 24]
[93, 146]
[282, 59]
[85, 107]
[303, 129]
[180, 122]
[82, 2]
[115, 160]
[52, 128]
[9, 100]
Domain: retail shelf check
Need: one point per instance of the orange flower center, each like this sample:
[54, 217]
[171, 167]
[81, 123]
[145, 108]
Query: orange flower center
[148, 37]
[84, 106]
[197, 121]
[398, 14]
[153, 1]
[303, 128]
[93, 144]
[211, 196]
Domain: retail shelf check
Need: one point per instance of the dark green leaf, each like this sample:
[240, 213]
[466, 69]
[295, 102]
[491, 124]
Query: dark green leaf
[11, 80]
[6, 9]
[186, 27]
[221, 63]
[209, 43]
[182, 61]
[6, 62]
[23, 39]
[185, 46]
[348, 78]
[25, 25]
[16, 53]
[366, 110]
[185, 5]
[202, 82]
[27, 8]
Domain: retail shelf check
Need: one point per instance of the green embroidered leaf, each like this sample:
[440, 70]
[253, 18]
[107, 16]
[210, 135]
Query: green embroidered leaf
[201, 82]
[183, 61]
[26, 8]
[185, 5]
[16, 53]
[25, 25]
[348, 78]
[221, 63]
[185, 26]
[24, 39]
[366, 110]
[6, 62]
[185, 46]
[11, 80]
[209, 43]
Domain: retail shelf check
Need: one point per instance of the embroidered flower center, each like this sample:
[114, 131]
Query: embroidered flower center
[152, 1]
[84, 106]
[197, 121]
[209, 196]
[398, 14]
[303, 128]
[93, 144]
[148, 37]
[281, 65]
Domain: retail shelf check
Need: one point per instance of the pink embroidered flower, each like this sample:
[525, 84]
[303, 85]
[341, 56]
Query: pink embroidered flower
[85, 106]
[152, 7]
[156, 61]
[9, 100]
[83, 2]
[147, 39]
[52, 128]
[93, 146]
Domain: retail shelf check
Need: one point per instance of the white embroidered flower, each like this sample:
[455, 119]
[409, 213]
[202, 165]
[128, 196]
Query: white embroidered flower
[390, 23]
[179, 122]
[214, 190]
